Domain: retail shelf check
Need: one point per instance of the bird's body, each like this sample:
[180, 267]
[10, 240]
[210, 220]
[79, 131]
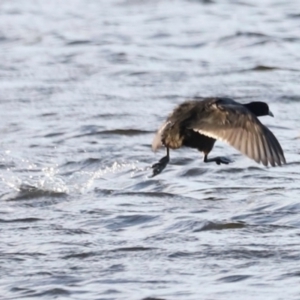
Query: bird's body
[198, 124]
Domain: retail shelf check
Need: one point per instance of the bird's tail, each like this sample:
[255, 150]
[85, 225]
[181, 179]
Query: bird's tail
[157, 141]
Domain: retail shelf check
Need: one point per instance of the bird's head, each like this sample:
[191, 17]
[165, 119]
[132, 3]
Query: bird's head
[259, 109]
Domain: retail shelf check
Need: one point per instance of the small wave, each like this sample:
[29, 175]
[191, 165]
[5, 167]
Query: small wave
[130, 132]
[290, 274]
[290, 98]
[104, 192]
[251, 33]
[182, 161]
[294, 16]
[21, 220]
[108, 116]
[203, 1]
[245, 34]
[55, 292]
[293, 163]
[133, 249]
[264, 68]
[140, 73]
[230, 170]
[198, 226]
[79, 43]
[155, 195]
[153, 298]
[269, 68]
[82, 255]
[125, 132]
[31, 192]
[91, 161]
[5, 166]
[124, 221]
[234, 278]
[194, 172]
[187, 46]
[179, 254]
[50, 114]
[54, 134]
[220, 226]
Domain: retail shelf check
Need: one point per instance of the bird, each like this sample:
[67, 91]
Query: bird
[198, 123]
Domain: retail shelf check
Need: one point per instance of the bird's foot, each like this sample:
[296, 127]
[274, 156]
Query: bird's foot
[159, 166]
[222, 160]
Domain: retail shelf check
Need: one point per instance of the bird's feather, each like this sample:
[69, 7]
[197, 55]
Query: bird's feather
[228, 121]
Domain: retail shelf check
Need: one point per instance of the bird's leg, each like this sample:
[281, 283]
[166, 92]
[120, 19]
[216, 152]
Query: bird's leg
[159, 166]
[218, 160]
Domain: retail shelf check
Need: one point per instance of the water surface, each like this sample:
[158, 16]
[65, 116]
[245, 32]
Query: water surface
[84, 85]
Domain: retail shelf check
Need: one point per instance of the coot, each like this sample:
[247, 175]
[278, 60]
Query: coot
[198, 124]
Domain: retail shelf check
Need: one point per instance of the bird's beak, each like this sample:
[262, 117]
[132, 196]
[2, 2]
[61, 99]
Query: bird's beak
[271, 114]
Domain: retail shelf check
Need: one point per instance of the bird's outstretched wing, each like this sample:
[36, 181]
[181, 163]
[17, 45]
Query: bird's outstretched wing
[233, 123]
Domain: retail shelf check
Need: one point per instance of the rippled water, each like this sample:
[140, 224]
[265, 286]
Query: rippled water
[84, 86]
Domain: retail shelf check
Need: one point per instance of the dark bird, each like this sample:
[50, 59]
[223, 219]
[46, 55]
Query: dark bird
[198, 124]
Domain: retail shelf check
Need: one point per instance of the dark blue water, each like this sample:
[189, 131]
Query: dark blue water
[83, 87]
